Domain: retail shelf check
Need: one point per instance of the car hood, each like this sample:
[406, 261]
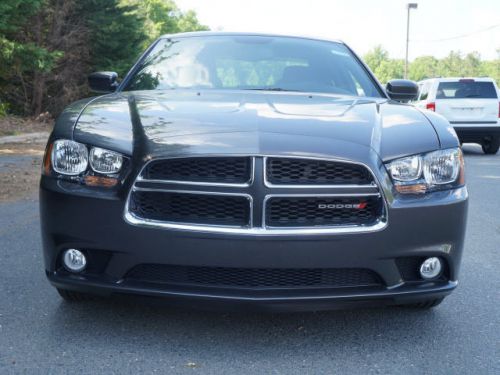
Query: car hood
[171, 123]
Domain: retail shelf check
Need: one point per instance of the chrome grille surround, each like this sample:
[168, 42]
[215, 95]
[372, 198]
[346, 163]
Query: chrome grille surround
[233, 189]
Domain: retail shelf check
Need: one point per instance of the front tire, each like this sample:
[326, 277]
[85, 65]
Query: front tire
[71, 296]
[491, 147]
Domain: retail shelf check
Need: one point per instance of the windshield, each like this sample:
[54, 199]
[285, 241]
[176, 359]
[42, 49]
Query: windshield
[253, 63]
[466, 89]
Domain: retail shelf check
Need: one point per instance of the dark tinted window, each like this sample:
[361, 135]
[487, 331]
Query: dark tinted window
[253, 63]
[466, 89]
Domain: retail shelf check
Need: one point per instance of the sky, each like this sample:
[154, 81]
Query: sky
[363, 24]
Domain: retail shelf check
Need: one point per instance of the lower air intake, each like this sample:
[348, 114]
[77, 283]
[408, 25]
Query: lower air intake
[227, 277]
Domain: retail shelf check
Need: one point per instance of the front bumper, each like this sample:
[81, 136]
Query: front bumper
[73, 216]
[311, 300]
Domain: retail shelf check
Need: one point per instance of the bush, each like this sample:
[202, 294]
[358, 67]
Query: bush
[4, 109]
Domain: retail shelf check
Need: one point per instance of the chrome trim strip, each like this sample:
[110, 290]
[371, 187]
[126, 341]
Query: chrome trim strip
[134, 219]
[336, 186]
[258, 231]
[199, 183]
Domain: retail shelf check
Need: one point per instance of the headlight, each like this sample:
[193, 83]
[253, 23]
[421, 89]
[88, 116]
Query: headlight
[105, 161]
[69, 157]
[406, 169]
[443, 169]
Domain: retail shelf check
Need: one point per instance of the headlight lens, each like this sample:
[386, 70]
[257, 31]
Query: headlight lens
[436, 170]
[406, 169]
[105, 161]
[69, 157]
[442, 167]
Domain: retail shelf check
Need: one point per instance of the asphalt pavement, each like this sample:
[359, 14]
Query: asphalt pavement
[41, 334]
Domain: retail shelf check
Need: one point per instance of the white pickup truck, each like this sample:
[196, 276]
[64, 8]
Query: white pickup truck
[471, 105]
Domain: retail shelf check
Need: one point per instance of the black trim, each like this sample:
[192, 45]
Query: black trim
[473, 122]
[270, 301]
[477, 134]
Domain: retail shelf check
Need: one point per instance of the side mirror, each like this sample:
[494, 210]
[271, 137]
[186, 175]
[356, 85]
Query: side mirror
[103, 82]
[402, 90]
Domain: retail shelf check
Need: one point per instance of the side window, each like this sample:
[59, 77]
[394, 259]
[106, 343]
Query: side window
[420, 86]
[424, 91]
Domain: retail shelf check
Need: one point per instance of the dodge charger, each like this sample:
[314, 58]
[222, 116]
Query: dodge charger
[253, 170]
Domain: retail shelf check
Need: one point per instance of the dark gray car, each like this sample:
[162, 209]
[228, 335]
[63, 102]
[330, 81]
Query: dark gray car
[253, 169]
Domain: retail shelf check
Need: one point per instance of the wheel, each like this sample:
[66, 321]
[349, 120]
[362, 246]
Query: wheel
[426, 304]
[491, 147]
[71, 296]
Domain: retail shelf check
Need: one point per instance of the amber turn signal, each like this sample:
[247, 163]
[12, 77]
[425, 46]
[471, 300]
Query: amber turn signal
[46, 160]
[411, 189]
[100, 181]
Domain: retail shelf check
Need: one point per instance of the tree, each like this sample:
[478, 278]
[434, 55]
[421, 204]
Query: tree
[22, 56]
[423, 67]
[164, 17]
[116, 34]
[382, 66]
[451, 65]
[375, 57]
[492, 68]
[48, 47]
[471, 65]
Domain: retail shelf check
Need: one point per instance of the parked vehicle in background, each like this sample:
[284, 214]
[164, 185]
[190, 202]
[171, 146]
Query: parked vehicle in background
[471, 105]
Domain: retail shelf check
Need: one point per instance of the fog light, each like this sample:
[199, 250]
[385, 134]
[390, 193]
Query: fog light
[431, 268]
[74, 260]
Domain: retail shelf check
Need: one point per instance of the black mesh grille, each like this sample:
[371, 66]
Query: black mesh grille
[409, 268]
[254, 277]
[191, 208]
[284, 171]
[319, 211]
[211, 169]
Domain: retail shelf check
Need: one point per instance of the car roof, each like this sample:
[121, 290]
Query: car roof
[230, 33]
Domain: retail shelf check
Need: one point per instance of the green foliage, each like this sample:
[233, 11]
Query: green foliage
[164, 17]
[4, 109]
[116, 34]
[382, 66]
[14, 13]
[453, 65]
[48, 47]
[17, 53]
[423, 67]
[375, 57]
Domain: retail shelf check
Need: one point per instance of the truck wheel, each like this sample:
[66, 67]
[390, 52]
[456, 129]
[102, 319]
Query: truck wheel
[491, 147]
[71, 296]
[427, 304]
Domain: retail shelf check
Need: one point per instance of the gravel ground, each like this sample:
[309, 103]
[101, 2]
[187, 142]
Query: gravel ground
[40, 334]
[20, 165]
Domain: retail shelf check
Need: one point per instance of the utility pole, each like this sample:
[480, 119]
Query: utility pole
[409, 7]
